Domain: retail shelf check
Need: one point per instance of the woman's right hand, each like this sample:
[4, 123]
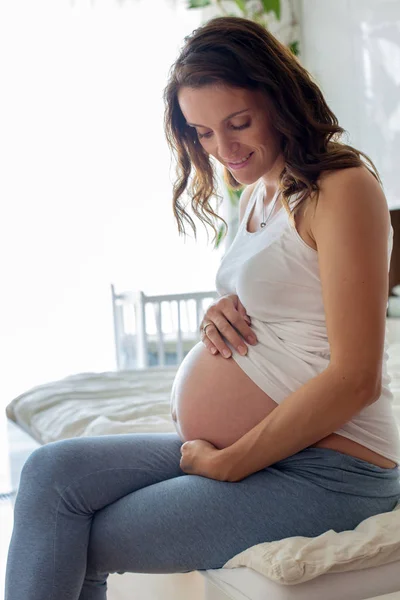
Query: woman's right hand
[229, 318]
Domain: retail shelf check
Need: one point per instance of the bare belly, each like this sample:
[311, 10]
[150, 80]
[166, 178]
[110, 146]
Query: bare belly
[215, 400]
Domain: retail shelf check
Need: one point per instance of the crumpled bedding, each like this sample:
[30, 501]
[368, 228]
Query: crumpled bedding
[139, 401]
[375, 541]
[96, 404]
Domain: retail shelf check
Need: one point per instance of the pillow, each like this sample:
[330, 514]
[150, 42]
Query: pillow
[374, 542]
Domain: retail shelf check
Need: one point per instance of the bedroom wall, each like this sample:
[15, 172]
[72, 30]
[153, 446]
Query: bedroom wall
[352, 47]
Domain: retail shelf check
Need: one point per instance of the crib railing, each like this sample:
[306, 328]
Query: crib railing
[156, 330]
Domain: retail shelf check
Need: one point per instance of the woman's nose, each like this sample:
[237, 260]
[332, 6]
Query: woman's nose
[227, 148]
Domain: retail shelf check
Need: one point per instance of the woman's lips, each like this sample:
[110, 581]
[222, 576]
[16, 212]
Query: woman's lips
[235, 167]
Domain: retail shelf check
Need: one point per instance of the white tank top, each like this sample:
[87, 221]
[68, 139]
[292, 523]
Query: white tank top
[276, 277]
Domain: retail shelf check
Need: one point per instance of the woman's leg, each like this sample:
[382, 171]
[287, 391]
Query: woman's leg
[195, 523]
[62, 486]
[121, 503]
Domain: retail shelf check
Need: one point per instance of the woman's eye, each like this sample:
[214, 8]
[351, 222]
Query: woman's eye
[244, 126]
[204, 135]
[235, 127]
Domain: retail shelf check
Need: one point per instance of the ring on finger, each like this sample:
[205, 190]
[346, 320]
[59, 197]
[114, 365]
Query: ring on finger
[206, 325]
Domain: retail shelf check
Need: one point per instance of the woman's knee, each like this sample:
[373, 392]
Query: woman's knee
[51, 462]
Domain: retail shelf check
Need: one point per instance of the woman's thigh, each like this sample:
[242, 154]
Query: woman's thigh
[193, 523]
[91, 472]
[63, 484]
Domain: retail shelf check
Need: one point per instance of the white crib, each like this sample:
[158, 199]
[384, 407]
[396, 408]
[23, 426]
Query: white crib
[156, 330]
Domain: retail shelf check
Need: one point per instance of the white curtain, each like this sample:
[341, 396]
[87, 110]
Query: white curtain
[86, 179]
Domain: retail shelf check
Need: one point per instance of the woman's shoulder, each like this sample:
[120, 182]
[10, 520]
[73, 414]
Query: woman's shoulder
[332, 183]
[349, 192]
[337, 184]
[351, 179]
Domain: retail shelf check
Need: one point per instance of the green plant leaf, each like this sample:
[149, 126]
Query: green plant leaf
[272, 6]
[221, 230]
[294, 48]
[198, 3]
[241, 4]
[234, 196]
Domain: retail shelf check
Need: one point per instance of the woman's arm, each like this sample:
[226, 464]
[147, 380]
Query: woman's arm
[350, 226]
[311, 413]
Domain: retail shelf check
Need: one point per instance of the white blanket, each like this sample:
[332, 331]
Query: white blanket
[374, 542]
[96, 404]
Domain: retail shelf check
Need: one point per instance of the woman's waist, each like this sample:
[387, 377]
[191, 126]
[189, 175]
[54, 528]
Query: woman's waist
[338, 442]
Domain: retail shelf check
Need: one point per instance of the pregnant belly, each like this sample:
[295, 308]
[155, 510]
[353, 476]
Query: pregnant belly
[215, 400]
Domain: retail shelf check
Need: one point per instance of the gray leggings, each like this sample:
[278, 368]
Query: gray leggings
[87, 507]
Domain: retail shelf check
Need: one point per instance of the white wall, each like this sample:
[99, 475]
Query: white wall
[352, 47]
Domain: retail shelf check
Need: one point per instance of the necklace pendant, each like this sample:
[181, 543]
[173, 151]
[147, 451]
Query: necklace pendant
[263, 224]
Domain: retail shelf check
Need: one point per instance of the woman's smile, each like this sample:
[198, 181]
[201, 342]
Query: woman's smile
[234, 166]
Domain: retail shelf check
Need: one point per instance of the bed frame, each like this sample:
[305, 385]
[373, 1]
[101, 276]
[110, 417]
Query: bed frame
[156, 330]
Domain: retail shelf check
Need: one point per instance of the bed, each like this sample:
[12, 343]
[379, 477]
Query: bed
[136, 398]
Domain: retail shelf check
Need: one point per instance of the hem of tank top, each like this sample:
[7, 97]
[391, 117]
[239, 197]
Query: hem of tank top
[255, 376]
[353, 438]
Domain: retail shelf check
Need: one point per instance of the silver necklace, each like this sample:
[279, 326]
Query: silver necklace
[274, 201]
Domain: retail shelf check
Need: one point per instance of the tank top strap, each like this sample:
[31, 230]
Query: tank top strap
[250, 204]
[293, 202]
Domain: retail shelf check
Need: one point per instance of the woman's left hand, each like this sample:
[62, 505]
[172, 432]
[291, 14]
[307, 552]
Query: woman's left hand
[201, 458]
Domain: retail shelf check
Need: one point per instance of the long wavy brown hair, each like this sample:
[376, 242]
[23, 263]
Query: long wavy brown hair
[241, 53]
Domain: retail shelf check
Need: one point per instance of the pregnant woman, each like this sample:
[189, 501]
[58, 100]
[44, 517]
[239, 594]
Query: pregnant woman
[291, 434]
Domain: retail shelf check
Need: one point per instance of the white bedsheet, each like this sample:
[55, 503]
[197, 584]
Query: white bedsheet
[96, 404]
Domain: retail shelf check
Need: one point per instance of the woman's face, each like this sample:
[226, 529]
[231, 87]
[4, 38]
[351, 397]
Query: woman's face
[234, 126]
